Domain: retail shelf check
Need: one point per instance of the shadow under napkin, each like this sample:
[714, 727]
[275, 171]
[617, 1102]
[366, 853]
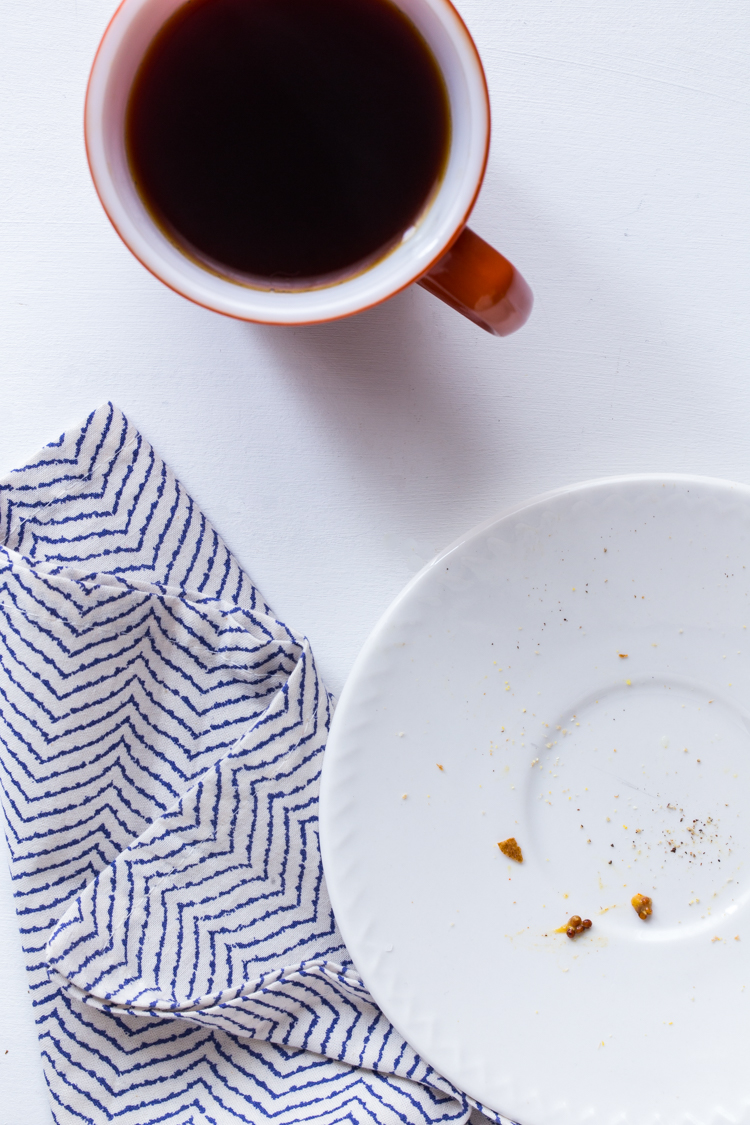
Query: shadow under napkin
[162, 736]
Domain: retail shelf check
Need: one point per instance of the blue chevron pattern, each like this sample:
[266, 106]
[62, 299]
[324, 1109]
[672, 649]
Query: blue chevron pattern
[161, 737]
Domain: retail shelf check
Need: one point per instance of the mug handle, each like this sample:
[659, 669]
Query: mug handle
[480, 283]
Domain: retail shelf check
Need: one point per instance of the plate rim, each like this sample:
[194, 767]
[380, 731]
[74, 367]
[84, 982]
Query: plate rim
[328, 783]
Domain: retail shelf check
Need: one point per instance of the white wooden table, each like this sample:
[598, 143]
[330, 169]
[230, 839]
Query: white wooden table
[336, 459]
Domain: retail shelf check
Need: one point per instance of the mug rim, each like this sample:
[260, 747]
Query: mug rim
[101, 169]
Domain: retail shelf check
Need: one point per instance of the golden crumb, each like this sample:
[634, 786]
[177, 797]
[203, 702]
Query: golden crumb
[511, 848]
[623, 655]
[439, 766]
[642, 906]
[575, 926]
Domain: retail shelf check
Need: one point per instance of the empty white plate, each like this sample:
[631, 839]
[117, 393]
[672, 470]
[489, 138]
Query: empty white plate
[575, 674]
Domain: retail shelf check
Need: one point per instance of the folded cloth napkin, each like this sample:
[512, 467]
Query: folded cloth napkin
[161, 739]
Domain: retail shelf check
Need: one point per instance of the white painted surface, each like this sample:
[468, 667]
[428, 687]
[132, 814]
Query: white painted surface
[335, 459]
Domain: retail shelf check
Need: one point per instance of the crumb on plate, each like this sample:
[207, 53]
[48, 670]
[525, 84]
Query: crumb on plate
[642, 906]
[576, 925]
[511, 848]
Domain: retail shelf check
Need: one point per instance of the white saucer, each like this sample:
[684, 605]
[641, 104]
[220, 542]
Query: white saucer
[617, 774]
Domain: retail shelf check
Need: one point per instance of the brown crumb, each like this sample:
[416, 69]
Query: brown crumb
[576, 925]
[642, 906]
[511, 848]
[623, 655]
[439, 766]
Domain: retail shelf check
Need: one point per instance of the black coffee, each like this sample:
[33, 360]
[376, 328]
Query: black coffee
[287, 140]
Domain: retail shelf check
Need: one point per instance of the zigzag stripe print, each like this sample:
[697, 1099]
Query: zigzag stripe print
[161, 737]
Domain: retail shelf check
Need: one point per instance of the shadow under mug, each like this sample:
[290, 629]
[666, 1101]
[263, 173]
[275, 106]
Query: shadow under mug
[440, 252]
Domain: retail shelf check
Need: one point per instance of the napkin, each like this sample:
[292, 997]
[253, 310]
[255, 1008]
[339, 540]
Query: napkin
[161, 740]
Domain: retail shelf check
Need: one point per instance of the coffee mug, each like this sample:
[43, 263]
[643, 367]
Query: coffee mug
[438, 251]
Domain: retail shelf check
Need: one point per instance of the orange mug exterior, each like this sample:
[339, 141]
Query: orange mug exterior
[474, 279]
[470, 276]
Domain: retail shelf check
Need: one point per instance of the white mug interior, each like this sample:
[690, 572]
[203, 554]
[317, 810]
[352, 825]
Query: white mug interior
[124, 45]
